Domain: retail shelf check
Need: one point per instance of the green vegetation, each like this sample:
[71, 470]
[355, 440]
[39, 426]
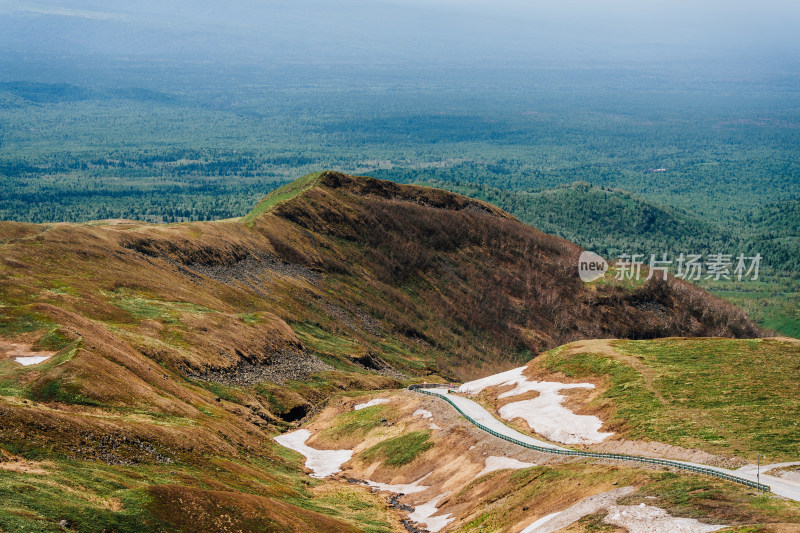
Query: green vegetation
[401, 450]
[281, 194]
[142, 307]
[224, 392]
[773, 302]
[729, 183]
[37, 503]
[93, 496]
[56, 391]
[729, 397]
[15, 320]
[53, 340]
[323, 342]
[357, 423]
[354, 504]
[593, 523]
[700, 496]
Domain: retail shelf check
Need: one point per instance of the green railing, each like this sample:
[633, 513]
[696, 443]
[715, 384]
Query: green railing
[596, 455]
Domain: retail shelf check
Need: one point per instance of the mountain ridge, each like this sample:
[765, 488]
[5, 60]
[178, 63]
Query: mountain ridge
[177, 344]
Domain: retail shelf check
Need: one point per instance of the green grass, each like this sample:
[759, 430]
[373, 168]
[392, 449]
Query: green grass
[16, 321]
[94, 497]
[251, 319]
[281, 194]
[401, 450]
[322, 342]
[226, 392]
[53, 340]
[702, 497]
[56, 391]
[773, 303]
[78, 492]
[142, 307]
[357, 423]
[593, 523]
[783, 323]
[730, 397]
[349, 503]
[635, 405]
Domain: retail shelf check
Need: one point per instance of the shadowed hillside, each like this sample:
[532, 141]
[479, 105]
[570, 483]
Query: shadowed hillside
[173, 344]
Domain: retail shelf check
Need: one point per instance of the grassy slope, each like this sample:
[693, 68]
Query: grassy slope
[550, 487]
[253, 494]
[729, 397]
[282, 194]
[138, 314]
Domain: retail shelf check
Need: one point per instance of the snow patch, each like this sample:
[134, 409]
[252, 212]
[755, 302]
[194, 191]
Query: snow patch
[408, 488]
[536, 527]
[592, 504]
[509, 377]
[423, 413]
[494, 462]
[640, 518]
[23, 353]
[644, 518]
[31, 360]
[423, 514]
[545, 414]
[432, 425]
[376, 401]
[323, 462]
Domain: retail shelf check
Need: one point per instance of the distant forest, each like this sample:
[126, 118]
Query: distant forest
[700, 172]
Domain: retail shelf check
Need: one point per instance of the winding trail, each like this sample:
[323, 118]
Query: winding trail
[479, 416]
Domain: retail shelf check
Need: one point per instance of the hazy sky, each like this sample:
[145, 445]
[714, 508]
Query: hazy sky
[716, 33]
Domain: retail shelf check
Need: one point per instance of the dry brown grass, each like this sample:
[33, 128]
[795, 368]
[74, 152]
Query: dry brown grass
[428, 281]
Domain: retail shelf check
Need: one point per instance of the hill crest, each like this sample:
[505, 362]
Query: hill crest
[370, 187]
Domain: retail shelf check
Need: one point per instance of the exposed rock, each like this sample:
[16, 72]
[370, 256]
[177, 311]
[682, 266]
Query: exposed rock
[282, 366]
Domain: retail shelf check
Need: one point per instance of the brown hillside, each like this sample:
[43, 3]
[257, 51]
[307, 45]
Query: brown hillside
[177, 341]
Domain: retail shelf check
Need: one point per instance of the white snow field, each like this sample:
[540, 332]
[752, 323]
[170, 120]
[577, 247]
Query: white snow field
[509, 377]
[545, 414]
[23, 353]
[376, 401]
[494, 463]
[323, 463]
[423, 413]
[423, 514]
[31, 360]
[587, 506]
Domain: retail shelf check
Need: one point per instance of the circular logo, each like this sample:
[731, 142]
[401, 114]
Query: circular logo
[591, 266]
